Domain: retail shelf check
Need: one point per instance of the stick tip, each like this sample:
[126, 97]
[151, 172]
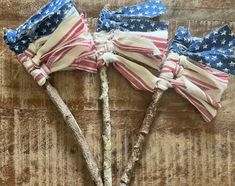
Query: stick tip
[4, 30]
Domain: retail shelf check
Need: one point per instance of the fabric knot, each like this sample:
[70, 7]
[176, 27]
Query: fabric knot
[104, 46]
[172, 68]
[39, 73]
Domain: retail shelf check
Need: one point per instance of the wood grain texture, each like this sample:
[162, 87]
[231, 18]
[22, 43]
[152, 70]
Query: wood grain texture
[36, 148]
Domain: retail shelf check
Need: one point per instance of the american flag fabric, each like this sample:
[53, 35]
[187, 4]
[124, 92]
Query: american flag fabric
[55, 38]
[216, 49]
[141, 17]
[199, 84]
[130, 52]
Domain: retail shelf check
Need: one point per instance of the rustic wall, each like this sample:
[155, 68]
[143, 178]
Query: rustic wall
[37, 149]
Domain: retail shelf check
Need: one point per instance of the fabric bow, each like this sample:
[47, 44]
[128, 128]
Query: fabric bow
[128, 51]
[200, 85]
[55, 38]
[141, 17]
[61, 41]
[215, 49]
[133, 51]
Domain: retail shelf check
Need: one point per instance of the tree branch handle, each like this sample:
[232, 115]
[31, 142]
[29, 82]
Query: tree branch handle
[79, 137]
[143, 132]
[107, 143]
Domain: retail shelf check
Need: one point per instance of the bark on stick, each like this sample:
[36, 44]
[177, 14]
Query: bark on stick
[79, 137]
[107, 144]
[140, 142]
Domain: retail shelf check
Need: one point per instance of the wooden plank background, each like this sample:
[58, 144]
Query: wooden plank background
[37, 149]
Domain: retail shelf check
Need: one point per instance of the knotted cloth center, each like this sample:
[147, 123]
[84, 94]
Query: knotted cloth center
[104, 47]
[171, 69]
[39, 73]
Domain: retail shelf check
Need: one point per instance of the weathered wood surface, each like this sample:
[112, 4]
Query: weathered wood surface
[36, 148]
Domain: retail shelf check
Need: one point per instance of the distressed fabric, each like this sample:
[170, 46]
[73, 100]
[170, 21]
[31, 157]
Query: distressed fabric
[215, 49]
[129, 52]
[200, 85]
[141, 17]
[70, 45]
[55, 38]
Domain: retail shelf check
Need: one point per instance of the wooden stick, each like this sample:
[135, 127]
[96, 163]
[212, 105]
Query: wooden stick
[107, 148]
[73, 125]
[143, 132]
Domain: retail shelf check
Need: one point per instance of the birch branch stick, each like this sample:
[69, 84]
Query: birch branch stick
[107, 149]
[143, 132]
[73, 125]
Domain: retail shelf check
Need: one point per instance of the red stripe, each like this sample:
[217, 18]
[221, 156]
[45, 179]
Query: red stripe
[206, 114]
[201, 84]
[132, 77]
[154, 38]
[29, 53]
[68, 35]
[132, 48]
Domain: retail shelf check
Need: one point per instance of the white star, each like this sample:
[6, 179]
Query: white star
[140, 14]
[205, 46]
[154, 12]
[131, 10]
[230, 43]
[231, 34]
[214, 41]
[208, 64]
[59, 12]
[232, 64]
[182, 32]
[47, 12]
[44, 31]
[142, 26]
[23, 41]
[16, 48]
[147, 12]
[56, 21]
[107, 25]
[152, 24]
[126, 24]
[132, 26]
[223, 41]
[197, 48]
[223, 32]
[154, 6]
[146, 6]
[48, 24]
[226, 70]
[214, 57]
[219, 64]
[207, 57]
